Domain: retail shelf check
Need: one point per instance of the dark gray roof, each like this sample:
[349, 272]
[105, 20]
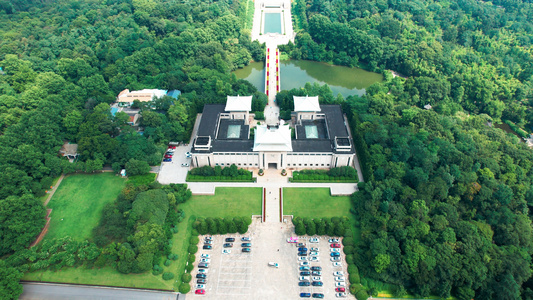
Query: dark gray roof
[335, 120]
[208, 124]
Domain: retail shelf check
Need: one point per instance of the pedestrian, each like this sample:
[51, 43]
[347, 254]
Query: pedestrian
[278, 250]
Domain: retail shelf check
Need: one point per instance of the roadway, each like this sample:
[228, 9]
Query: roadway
[53, 291]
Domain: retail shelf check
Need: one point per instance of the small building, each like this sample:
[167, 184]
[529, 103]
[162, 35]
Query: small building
[126, 97]
[174, 94]
[428, 106]
[69, 150]
[321, 137]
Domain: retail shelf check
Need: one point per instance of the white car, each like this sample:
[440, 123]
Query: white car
[333, 241]
[335, 250]
[338, 273]
[203, 271]
[314, 258]
[226, 251]
[335, 259]
[188, 154]
[339, 278]
[205, 260]
[313, 240]
[314, 249]
[340, 284]
[185, 165]
[200, 286]
[313, 253]
[304, 264]
[337, 264]
[317, 278]
[208, 238]
[206, 256]
[302, 258]
[303, 278]
[170, 150]
[316, 273]
[340, 295]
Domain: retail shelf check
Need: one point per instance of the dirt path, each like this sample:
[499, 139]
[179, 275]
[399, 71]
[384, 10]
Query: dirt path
[54, 189]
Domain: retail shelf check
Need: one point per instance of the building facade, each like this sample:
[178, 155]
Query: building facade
[317, 137]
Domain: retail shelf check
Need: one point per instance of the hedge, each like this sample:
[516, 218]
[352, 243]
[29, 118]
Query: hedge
[341, 174]
[184, 288]
[199, 178]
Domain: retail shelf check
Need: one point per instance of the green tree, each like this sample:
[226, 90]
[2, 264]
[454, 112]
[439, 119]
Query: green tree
[10, 287]
[137, 167]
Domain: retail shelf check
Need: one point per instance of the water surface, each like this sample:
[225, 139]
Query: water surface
[272, 23]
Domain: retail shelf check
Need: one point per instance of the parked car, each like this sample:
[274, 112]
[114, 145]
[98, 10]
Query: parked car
[302, 253]
[205, 260]
[334, 240]
[208, 242]
[171, 150]
[338, 273]
[302, 258]
[203, 271]
[335, 259]
[185, 165]
[245, 239]
[340, 284]
[340, 295]
[305, 295]
[208, 238]
[207, 247]
[246, 245]
[246, 249]
[305, 273]
[302, 249]
[304, 263]
[199, 292]
[168, 156]
[167, 159]
[201, 281]
[230, 240]
[340, 278]
[301, 245]
[317, 273]
[313, 253]
[201, 276]
[340, 290]
[303, 278]
[334, 250]
[304, 268]
[314, 249]
[226, 251]
[318, 295]
[337, 264]
[205, 256]
[169, 153]
[203, 265]
[335, 245]
[317, 278]
[315, 268]
[304, 283]
[317, 283]
[227, 245]
[314, 259]
[313, 240]
[334, 254]
[200, 286]
[188, 154]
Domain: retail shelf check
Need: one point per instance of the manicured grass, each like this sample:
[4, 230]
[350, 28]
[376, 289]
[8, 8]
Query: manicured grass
[315, 203]
[78, 202]
[227, 202]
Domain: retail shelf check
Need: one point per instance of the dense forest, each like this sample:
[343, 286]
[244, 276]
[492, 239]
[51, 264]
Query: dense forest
[445, 207]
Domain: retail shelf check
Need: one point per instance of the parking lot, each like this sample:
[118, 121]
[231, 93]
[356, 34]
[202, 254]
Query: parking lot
[240, 275]
[172, 171]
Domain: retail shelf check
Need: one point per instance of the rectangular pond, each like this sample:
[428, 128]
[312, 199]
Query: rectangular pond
[272, 23]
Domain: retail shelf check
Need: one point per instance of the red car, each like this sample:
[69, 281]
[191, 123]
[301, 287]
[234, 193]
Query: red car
[171, 147]
[200, 292]
[168, 156]
[335, 245]
[342, 290]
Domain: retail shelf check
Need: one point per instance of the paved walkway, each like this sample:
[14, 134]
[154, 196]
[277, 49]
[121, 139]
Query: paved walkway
[52, 192]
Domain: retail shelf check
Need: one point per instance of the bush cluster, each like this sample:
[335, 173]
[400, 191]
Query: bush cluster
[344, 174]
[335, 226]
[222, 225]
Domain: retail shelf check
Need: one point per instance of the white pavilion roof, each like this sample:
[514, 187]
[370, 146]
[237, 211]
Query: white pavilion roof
[274, 139]
[306, 104]
[238, 103]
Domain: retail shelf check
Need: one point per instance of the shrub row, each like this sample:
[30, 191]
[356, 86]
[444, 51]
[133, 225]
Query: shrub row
[327, 226]
[222, 225]
[341, 174]
[240, 178]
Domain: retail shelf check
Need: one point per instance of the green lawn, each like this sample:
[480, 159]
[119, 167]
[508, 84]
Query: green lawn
[315, 203]
[227, 202]
[78, 202]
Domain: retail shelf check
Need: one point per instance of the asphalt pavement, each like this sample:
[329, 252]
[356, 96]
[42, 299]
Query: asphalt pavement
[45, 291]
